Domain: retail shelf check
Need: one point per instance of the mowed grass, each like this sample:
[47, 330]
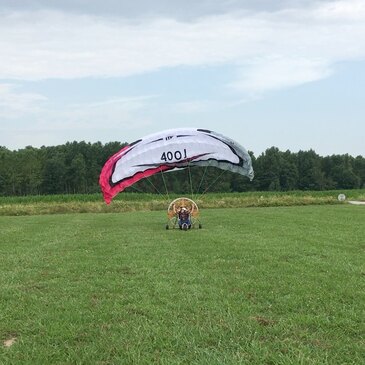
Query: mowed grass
[278, 285]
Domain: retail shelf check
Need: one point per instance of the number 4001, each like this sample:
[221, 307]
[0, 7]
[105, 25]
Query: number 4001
[177, 155]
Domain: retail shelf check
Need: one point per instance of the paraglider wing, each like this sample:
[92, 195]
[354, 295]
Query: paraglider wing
[168, 150]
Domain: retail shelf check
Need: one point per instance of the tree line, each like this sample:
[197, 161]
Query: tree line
[75, 167]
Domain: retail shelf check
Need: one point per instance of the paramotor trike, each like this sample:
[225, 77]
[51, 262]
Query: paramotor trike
[173, 214]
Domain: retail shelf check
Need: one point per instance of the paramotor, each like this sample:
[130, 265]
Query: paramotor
[175, 207]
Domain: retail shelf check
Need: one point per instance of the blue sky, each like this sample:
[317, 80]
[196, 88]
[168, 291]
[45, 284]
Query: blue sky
[289, 74]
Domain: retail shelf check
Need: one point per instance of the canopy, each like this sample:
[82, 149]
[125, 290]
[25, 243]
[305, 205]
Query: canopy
[169, 150]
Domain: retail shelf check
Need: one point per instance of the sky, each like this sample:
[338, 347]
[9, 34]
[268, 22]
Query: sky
[289, 74]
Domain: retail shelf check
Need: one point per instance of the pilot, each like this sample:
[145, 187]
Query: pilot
[184, 220]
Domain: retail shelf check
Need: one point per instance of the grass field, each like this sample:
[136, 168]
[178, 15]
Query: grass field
[93, 203]
[273, 285]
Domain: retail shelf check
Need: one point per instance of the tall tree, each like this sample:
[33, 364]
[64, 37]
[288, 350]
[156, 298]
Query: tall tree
[311, 176]
[268, 170]
[54, 173]
[76, 175]
[359, 167]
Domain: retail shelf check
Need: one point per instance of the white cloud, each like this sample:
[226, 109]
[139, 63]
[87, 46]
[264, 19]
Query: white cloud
[259, 50]
[271, 50]
[277, 72]
[353, 10]
[108, 114]
[50, 124]
[14, 103]
[113, 113]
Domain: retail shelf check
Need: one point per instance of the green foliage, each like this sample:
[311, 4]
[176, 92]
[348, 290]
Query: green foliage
[279, 285]
[75, 168]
